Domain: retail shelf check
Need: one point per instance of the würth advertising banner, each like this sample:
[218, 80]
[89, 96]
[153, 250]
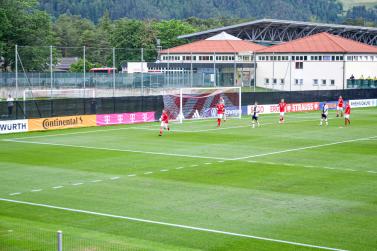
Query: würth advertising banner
[11, 126]
[55, 123]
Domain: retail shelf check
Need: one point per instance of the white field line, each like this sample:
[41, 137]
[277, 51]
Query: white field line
[77, 184]
[12, 194]
[134, 126]
[36, 190]
[304, 148]
[57, 187]
[164, 170]
[95, 181]
[114, 178]
[131, 175]
[309, 166]
[147, 173]
[220, 128]
[117, 150]
[180, 167]
[170, 224]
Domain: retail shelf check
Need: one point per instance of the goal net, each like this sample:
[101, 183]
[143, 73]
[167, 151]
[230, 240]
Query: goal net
[200, 103]
[59, 93]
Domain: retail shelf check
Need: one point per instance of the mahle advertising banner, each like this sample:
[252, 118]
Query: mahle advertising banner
[66, 122]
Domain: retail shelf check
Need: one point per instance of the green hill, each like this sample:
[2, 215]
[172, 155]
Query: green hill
[319, 10]
[348, 4]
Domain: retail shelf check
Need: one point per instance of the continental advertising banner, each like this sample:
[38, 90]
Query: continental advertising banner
[124, 118]
[12, 126]
[55, 123]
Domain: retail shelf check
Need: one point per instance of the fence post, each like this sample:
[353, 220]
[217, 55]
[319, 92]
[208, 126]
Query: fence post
[60, 240]
[142, 71]
[84, 52]
[16, 68]
[51, 74]
[113, 72]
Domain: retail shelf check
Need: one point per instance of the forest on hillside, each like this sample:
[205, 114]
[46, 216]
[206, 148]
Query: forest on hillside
[321, 10]
[135, 24]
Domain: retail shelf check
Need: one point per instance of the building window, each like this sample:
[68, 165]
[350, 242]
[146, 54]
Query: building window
[301, 81]
[299, 65]
[332, 82]
[274, 81]
[282, 81]
[323, 81]
[266, 81]
[305, 58]
[315, 81]
[326, 58]
[349, 58]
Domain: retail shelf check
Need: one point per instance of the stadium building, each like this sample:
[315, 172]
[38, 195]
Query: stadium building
[221, 59]
[318, 62]
[303, 56]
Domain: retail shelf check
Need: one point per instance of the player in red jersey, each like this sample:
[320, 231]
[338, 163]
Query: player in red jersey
[347, 114]
[339, 107]
[164, 122]
[220, 112]
[282, 107]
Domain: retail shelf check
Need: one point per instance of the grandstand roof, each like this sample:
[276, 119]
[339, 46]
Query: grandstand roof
[274, 31]
[321, 43]
[220, 43]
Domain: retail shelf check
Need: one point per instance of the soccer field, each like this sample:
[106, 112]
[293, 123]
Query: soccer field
[296, 186]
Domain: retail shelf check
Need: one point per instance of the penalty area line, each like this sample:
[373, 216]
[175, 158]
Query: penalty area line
[170, 224]
[305, 148]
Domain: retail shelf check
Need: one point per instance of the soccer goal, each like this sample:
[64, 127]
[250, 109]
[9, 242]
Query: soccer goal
[200, 103]
[59, 93]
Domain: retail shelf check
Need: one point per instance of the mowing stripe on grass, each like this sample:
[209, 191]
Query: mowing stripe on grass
[115, 149]
[170, 224]
[305, 148]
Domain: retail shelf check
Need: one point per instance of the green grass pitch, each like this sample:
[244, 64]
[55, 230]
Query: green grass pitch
[296, 186]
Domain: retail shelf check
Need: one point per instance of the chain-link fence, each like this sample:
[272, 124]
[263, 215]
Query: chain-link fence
[40, 72]
[23, 237]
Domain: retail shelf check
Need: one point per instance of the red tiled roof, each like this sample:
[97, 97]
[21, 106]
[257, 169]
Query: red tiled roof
[215, 46]
[321, 43]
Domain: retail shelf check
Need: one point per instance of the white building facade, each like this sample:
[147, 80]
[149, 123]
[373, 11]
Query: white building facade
[317, 62]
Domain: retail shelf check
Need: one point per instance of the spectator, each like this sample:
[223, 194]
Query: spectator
[362, 77]
[10, 104]
[352, 77]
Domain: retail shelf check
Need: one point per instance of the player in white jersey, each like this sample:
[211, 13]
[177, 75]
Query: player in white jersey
[255, 115]
[324, 114]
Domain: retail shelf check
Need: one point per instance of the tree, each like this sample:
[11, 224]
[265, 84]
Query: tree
[79, 66]
[129, 36]
[168, 31]
[22, 23]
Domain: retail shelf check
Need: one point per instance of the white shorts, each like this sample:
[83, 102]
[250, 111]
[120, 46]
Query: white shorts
[282, 114]
[339, 108]
[163, 124]
[220, 116]
[347, 116]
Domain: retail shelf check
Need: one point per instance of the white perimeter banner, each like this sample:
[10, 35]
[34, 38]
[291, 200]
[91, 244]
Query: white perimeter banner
[12, 126]
[294, 107]
[363, 103]
[264, 109]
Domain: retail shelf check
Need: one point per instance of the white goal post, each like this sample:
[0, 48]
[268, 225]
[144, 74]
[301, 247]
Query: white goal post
[200, 103]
